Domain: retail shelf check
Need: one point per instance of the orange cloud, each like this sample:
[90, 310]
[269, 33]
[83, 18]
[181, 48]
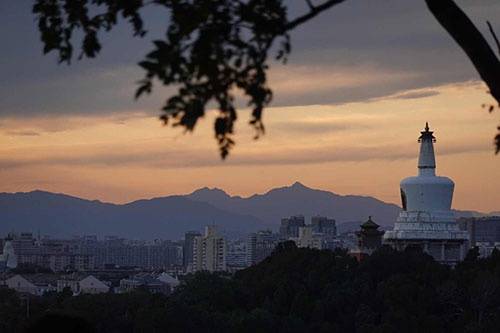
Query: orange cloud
[354, 148]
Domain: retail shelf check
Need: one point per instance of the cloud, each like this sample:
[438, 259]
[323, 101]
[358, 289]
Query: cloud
[331, 84]
[23, 133]
[38, 125]
[354, 52]
[417, 94]
[315, 127]
[176, 157]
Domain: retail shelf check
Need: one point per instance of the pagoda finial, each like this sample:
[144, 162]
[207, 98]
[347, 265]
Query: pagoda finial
[426, 159]
[427, 134]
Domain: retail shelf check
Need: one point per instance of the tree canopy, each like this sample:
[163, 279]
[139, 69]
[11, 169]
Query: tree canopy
[214, 50]
[293, 290]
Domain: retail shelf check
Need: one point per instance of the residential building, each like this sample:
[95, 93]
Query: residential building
[34, 284]
[187, 248]
[484, 231]
[307, 238]
[119, 252]
[147, 281]
[209, 251]
[55, 254]
[236, 257]
[290, 226]
[260, 245]
[87, 253]
[82, 284]
[169, 279]
[324, 225]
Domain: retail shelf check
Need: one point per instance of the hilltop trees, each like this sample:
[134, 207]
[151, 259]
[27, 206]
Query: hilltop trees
[294, 290]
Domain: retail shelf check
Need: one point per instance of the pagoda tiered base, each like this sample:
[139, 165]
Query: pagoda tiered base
[445, 242]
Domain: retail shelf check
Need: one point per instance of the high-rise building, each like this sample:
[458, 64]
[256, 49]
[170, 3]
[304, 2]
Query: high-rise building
[187, 248]
[209, 251]
[87, 253]
[482, 230]
[113, 251]
[290, 226]
[427, 220]
[57, 255]
[236, 257]
[307, 238]
[324, 225]
[260, 245]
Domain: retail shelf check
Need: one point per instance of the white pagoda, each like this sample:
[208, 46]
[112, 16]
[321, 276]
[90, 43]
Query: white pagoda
[427, 220]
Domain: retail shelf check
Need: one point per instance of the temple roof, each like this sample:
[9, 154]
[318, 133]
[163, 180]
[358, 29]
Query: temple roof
[370, 224]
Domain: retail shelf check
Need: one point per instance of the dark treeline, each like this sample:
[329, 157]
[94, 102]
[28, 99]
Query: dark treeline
[294, 290]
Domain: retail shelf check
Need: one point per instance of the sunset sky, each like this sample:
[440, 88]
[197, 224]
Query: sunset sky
[360, 84]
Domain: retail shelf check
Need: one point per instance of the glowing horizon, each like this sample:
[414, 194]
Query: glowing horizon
[361, 148]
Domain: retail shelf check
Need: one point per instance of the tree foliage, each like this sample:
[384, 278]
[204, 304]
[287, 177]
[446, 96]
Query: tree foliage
[211, 49]
[294, 290]
[215, 50]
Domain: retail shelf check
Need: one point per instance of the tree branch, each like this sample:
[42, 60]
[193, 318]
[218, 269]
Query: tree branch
[315, 10]
[494, 36]
[468, 37]
[309, 3]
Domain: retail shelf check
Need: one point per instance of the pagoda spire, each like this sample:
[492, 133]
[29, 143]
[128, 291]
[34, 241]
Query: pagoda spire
[426, 159]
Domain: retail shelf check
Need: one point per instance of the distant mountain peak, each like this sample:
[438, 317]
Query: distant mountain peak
[299, 185]
[206, 193]
[209, 190]
[37, 191]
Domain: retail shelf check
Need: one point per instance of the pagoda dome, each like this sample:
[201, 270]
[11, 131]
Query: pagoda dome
[427, 192]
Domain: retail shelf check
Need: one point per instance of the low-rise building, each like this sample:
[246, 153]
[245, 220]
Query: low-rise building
[34, 284]
[147, 281]
[82, 284]
[169, 279]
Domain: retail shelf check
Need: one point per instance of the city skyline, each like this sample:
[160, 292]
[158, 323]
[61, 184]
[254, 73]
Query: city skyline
[250, 166]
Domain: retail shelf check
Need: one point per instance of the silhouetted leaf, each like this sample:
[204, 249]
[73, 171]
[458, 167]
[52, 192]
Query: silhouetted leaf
[497, 141]
[211, 49]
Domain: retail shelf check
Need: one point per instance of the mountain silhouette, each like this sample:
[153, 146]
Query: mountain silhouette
[300, 199]
[60, 215]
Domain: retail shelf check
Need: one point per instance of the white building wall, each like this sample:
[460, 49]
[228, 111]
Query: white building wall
[91, 285]
[209, 252]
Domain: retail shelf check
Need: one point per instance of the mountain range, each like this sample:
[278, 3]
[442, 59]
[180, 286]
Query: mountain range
[60, 215]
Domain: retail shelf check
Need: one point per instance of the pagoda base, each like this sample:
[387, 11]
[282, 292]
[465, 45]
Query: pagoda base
[449, 250]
